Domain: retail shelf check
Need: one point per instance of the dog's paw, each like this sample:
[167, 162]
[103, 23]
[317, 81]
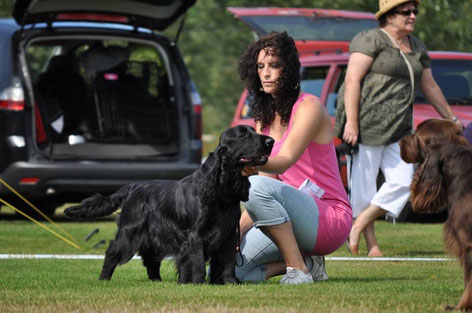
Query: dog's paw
[459, 307]
[72, 211]
[232, 280]
[193, 280]
[226, 280]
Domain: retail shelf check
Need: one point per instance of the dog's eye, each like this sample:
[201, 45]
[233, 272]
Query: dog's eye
[243, 135]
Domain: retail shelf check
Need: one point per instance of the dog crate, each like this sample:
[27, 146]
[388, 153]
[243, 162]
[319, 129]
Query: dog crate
[103, 98]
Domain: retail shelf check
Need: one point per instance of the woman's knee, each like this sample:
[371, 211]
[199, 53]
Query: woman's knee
[260, 185]
[258, 193]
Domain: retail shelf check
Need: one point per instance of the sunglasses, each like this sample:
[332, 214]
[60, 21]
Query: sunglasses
[408, 12]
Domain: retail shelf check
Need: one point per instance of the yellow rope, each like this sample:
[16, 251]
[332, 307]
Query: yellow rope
[37, 210]
[39, 224]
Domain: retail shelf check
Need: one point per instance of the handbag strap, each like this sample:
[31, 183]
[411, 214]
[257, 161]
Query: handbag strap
[410, 69]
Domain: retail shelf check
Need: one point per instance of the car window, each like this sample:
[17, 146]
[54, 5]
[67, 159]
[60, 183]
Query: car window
[246, 110]
[119, 81]
[332, 99]
[38, 57]
[455, 79]
[313, 79]
[340, 78]
[311, 28]
[94, 57]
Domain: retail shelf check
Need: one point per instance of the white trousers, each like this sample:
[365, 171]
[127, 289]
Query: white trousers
[394, 192]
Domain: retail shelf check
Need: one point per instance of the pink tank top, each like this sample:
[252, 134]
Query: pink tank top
[319, 164]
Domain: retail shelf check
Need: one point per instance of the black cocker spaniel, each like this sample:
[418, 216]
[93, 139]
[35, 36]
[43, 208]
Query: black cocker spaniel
[195, 219]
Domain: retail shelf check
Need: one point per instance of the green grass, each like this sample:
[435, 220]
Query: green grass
[45, 285]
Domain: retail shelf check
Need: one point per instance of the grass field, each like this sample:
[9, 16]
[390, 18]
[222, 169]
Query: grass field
[48, 285]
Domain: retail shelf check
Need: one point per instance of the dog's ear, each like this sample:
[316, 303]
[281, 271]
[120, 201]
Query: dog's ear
[231, 180]
[428, 192]
[241, 187]
[410, 149]
[223, 156]
[216, 178]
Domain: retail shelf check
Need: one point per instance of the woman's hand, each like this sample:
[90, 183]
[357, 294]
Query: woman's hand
[351, 133]
[458, 123]
[249, 170]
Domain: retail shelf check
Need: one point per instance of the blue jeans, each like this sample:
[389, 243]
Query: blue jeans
[272, 202]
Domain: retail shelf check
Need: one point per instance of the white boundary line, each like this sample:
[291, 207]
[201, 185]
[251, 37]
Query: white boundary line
[390, 259]
[101, 257]
[53, 256]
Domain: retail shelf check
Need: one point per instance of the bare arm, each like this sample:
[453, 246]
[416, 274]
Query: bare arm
[245, 223]
[311, 122]
[435, 96]
[358, 66]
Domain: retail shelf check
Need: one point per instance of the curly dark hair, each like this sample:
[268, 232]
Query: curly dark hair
[263, 106]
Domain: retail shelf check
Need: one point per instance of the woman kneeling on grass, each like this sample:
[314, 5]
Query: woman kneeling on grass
[286, 230]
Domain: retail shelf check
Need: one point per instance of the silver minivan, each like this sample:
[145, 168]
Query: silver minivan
[93, 96]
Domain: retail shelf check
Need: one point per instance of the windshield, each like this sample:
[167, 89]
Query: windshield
[311, 28]
[455, 79]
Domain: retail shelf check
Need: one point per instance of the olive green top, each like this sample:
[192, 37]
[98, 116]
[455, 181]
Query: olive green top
[385, 108]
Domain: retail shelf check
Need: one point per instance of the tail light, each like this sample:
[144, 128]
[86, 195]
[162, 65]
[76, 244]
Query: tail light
[12, 98]
[197, 110]
[41, 136]
[29, 180]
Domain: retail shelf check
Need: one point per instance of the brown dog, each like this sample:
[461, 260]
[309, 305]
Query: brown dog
[444, 179]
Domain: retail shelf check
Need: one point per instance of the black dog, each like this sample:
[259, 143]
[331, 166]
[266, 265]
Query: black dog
[195, 219]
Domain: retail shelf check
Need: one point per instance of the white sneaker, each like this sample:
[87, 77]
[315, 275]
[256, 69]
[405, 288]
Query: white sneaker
[296, 277]
[316, 266]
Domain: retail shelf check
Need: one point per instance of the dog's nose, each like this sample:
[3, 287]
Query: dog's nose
[269, 141]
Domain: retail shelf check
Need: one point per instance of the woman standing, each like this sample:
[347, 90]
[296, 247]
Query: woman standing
[386, 65]
[287, 230]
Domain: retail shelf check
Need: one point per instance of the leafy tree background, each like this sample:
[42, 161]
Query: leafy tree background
[212, 40]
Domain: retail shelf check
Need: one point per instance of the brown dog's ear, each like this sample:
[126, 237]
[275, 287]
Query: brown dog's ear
[428, 192]
[410, 149]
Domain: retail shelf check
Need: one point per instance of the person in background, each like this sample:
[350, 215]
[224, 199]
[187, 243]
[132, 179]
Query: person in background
[287, 230]
[374, 111]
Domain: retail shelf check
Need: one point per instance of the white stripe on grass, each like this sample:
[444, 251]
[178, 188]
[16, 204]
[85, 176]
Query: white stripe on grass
[101, 257]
